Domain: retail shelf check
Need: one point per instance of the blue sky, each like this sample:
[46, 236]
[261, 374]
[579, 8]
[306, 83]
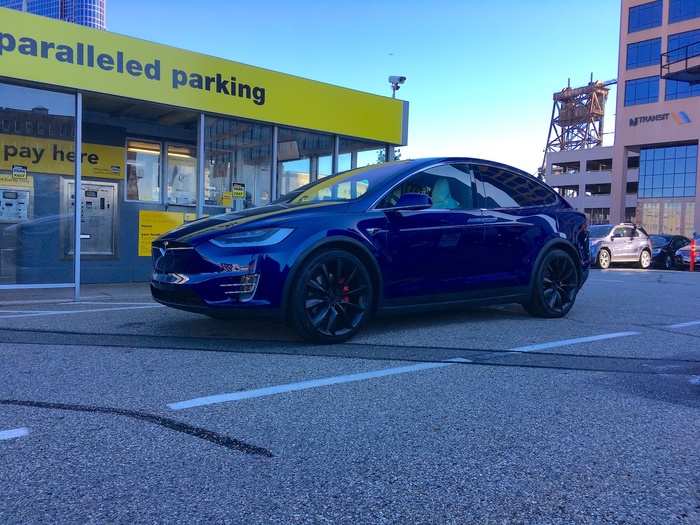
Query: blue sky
[480, 74]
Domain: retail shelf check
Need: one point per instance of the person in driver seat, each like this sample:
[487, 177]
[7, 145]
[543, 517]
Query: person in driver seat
[442, 196]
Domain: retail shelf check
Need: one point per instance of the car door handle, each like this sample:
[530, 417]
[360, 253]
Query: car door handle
[483, 220]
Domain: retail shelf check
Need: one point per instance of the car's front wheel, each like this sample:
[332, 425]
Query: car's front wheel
[555, 285]
[331, 297]
[604, 259]
[645, 259]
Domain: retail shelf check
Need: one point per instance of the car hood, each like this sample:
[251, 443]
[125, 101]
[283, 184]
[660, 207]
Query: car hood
[208, 227]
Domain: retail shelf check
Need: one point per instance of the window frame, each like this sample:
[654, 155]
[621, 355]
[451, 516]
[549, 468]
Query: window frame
[647, 5]
[161, 199]
[164, 167]
[639, 79]
[557, 198]
[672, 20]
[648, 41]
[375, 207]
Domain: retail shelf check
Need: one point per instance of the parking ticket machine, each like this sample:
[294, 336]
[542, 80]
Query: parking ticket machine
[14, 205]
[15, 210]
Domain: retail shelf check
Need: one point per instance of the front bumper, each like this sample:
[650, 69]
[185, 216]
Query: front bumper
[203, 279]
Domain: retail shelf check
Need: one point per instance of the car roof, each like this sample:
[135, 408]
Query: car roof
[427, 161]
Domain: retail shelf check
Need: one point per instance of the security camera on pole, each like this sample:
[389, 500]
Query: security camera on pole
[396, 81]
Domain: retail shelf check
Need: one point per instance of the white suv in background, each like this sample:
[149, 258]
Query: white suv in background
[624, 242]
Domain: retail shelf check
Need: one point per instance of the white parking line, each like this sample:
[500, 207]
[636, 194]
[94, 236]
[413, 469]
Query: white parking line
[13, 433]
[567, 342]
[314, 383]
[684, 325]
[42, 301]
[69, 312]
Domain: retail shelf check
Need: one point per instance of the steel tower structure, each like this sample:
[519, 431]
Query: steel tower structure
[577, 118]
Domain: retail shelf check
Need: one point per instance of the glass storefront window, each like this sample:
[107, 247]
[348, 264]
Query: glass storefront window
[671, 218]
[237, 152]
[689, 222]
[299, 155]
[344, 162]
[37, 134]
[143, 171]
[361, 152]
[325, 166]
[668, 171]
[181, 175]
[650, 216]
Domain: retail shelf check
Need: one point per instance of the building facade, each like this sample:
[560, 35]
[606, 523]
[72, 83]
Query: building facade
[584, 178]
[657, 125]
[107, 142]
[90, 13]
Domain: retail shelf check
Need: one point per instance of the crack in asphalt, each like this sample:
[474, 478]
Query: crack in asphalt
[165, 422]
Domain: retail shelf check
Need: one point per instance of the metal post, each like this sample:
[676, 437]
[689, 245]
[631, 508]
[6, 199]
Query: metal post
[78, 192]
[389, 156]
[273, 173]
[336, 154]
[200, 165]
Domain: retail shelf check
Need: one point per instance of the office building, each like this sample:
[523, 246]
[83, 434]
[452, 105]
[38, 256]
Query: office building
[657, 125]
[90, 13]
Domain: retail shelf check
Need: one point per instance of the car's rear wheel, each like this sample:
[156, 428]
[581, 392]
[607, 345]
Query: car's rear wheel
[668, 262]
[604, 259]
[331, 297]
[555, 286]
[644, 259]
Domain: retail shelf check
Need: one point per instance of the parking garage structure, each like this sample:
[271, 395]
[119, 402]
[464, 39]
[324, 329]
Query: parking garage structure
[164, 136]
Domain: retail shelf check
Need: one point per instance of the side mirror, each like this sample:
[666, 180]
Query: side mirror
[413, 202]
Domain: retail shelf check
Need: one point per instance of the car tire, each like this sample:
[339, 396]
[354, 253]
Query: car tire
[555, 286]
[668, 263]
[644, 259]
[604, 259]
[331, 297]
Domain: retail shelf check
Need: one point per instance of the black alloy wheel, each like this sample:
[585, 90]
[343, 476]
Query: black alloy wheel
[332, 297]
[556, 286]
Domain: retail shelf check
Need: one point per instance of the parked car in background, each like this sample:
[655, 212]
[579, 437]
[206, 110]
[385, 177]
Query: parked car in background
[683, 255]
[664, 248]
[624, 242]
[411, 234]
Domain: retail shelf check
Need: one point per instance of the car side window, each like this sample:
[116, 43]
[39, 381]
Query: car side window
[679, 243]
[625, 232]
[501, 188]
[451, 187]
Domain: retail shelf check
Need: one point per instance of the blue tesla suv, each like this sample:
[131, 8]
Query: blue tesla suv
[411, 234]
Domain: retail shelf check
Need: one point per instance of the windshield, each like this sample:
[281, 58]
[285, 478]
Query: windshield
[346, 186]
[596, 232]
[657, 241]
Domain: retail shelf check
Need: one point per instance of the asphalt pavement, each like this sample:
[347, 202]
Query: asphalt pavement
[118, 410]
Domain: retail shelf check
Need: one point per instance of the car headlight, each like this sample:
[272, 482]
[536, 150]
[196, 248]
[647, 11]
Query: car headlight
[245, 239]
[656, 251]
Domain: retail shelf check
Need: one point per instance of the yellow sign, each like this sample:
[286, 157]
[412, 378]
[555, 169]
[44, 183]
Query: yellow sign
[8, 181]
[58, 53]
[238, 190]
[57, 157]
[227, 199]
[153, 224]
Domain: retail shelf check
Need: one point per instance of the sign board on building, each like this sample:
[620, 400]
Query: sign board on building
[57, 157]
[238, 190]
[57, 53]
